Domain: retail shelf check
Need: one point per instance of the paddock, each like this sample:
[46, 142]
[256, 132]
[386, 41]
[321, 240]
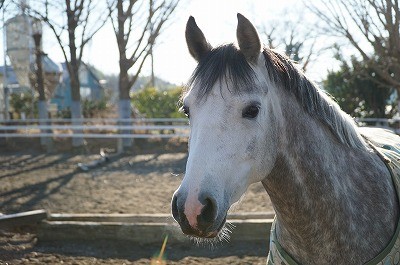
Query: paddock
[115, 213]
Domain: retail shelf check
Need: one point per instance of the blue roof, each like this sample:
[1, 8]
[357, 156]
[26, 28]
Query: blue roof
[11, 77]
[49, 66]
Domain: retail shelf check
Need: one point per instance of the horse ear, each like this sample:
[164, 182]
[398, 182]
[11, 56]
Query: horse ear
[196, 42]
[248, 39]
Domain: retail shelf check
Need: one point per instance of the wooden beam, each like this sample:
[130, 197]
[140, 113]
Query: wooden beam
[138, 228]
[11, 221]
[146, 218]
[143, 233]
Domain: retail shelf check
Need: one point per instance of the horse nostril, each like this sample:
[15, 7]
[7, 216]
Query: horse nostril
[208, 213]
[174, 206]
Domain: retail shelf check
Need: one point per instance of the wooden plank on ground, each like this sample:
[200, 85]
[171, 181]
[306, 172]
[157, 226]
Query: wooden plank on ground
[139, 233]
[146, 218]
[142, 233]
[11, 221]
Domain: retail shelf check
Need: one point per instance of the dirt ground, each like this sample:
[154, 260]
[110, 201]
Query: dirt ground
[142, 183]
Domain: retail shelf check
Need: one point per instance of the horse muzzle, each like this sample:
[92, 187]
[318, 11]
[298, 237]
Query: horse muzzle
[197, 217]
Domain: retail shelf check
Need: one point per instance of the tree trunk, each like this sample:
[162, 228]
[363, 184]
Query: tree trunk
[76, 118]
[73, 70]
[76, 109]
[46, 142]
[124, 109]
[124, 112]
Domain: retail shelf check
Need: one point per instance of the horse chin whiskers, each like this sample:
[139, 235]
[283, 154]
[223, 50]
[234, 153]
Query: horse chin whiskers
[222, 237]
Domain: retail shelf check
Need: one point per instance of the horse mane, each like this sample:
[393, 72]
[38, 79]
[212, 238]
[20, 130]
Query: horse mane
[226, 62]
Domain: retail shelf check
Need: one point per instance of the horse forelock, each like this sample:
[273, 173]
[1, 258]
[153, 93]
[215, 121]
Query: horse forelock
[223, 63]
[227, 63]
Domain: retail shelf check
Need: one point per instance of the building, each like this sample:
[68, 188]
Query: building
[52, 74]
[20, 76]
[91, 87]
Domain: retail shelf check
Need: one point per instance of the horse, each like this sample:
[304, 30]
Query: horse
[255, 117]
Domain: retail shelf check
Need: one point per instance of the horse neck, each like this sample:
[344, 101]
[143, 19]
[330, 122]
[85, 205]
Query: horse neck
[334, 204]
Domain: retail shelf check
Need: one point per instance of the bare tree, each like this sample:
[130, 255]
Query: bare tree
[73, 23]
[297, 41]
[372, 27]
[137, 24]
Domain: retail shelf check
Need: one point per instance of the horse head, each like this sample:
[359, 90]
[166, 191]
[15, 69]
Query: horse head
[234, 119]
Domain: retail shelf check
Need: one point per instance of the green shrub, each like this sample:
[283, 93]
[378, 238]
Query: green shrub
[93, 108]
[64, 113]
[154, 103]
[22, 102]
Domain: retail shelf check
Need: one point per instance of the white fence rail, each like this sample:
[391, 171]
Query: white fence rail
[97, 120]
[124, 128]
[390, 124]
[95, 128]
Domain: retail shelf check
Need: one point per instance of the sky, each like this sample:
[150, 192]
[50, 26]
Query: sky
[216, 18]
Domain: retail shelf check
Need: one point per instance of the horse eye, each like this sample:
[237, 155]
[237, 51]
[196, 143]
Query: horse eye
[185, 110]
[250, 112]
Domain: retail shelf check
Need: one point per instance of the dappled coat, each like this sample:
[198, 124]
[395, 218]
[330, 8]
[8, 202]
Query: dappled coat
[390, 154]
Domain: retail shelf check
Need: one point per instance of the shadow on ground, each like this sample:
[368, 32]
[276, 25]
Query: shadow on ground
[27, 245]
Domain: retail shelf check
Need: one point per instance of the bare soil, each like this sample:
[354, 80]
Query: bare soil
[142, 183]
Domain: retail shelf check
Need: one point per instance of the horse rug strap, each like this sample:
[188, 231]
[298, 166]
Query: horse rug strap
[390, 154]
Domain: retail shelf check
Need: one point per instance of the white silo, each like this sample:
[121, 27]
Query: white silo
[20, 47]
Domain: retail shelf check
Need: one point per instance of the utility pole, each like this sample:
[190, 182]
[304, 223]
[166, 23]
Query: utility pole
[153, 80]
